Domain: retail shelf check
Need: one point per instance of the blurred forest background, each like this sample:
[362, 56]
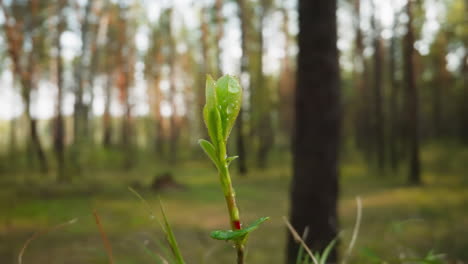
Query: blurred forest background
[99, 95]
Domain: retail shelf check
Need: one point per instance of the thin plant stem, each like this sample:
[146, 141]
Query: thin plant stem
[231, 203]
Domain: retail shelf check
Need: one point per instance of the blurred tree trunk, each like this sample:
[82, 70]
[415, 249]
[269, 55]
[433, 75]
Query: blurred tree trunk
[439, 84]
[125, 62]
[219, 35]
[412, 101]
[13, 138]
[263, 97]
[395, 128]
[378, 121]
[245, 81]
[360, 78]
[174, 125]
[80, 120]
[286, 83]
[464, 104]
[16, 31]
[205, 69]
[59, 135]
[314, 189]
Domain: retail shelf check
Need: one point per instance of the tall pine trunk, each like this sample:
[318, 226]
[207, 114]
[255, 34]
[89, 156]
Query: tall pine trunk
[378, 101]
[393, 104]
[59, 136]
[240, 140]
[314, 189]
[263, 122]
[464, 104]
[412, 102]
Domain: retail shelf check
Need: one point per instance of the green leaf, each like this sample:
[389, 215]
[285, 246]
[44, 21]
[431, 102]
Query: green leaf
[209, 150]
[230, 159]
[237, 234]
[229, 97]
[211, 112]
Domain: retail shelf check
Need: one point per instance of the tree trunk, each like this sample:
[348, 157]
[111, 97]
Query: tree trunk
[286, 82]
[26, 73]
[219, 35]
[59, 141]
[412, 100]
[379, 117]
[174, 128]
[240, 140]
[205, 69]
[394, 113]
[79, 107]
[263, 123]
[314, 189]
[464, 104]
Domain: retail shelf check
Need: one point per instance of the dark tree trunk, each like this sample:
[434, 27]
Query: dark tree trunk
[394, 116]
[378, 102]
[59, 136]
[80, 111]
[314, 189]
[36, 143]
[412, 101]
[240, 140]
[464, 104]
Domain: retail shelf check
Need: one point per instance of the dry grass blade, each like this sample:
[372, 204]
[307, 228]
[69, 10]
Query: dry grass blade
[355, 230]
[39, 234]
[105, 240]
[298, 238]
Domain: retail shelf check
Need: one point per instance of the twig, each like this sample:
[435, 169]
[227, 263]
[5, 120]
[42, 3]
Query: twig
[356, 229]
[39, 234]
[104, 237]
[298, 238]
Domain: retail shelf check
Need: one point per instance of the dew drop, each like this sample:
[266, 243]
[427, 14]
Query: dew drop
[229, 109]
[232, 88]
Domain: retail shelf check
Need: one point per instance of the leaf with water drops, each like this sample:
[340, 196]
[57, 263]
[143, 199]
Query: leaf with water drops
[229, 96]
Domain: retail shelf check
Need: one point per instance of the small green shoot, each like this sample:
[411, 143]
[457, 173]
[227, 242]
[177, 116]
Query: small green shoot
[223, 103]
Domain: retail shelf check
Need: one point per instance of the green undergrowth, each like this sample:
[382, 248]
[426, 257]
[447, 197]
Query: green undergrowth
[397, 219]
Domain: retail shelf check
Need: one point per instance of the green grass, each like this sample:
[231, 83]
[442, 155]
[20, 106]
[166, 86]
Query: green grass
[396, 218]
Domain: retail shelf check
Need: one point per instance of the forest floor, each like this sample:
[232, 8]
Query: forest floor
[397, 219]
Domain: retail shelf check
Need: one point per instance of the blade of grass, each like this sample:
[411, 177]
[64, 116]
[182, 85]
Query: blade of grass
[104, 238]
[39, 234]
[171, 237]
[355, 230]
[326, 252]
[153, 216]
[300, 254]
